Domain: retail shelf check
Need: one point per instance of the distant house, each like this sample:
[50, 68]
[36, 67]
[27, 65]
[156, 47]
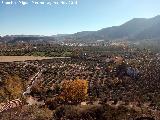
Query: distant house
[34, 101]
[118, 60]
[132, 72]
[123, 70]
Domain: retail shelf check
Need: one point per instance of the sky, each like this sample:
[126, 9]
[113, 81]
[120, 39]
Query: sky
[82, 15]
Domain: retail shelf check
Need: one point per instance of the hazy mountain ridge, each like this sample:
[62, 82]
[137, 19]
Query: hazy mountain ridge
[135, 29]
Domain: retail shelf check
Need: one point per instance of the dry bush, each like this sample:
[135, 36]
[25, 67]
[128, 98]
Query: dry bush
[93, 112]
[14, 87]
[74, 91]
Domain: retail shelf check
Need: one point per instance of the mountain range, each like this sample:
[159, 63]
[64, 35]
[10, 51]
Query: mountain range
[135, 29]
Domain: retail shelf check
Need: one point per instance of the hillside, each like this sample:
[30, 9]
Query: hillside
[137, 28]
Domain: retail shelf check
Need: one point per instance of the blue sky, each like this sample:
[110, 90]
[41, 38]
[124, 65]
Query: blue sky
[87, 15]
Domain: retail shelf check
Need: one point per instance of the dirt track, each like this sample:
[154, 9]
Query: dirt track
[23, 58]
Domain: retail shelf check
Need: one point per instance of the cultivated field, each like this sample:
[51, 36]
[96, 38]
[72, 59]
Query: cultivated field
[23, 58]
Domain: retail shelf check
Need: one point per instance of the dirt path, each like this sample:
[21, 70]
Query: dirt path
[24, 58]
